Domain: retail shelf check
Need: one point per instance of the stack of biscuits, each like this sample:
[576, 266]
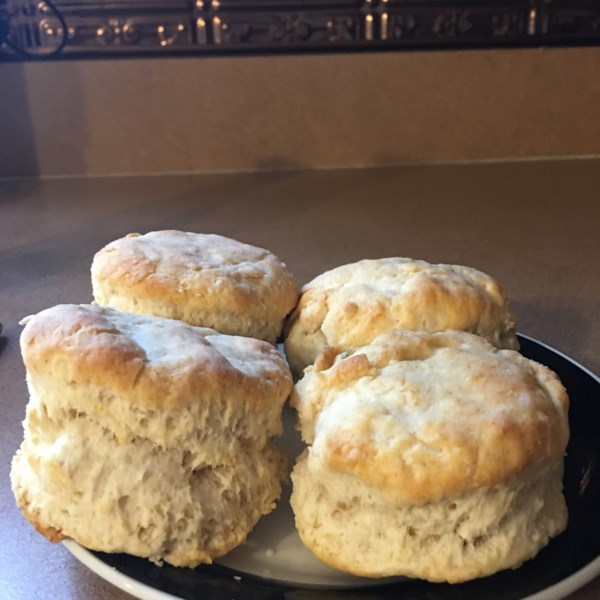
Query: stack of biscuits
[434, 449]
[152, 413]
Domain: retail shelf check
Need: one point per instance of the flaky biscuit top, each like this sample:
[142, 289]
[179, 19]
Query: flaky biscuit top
[182, 272]
[349, 306]
[424, 416]
[151, 370]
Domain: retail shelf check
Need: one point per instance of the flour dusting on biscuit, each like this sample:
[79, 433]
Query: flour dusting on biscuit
[349, 306]
[431, 455]
[147, 435]
[206, 280]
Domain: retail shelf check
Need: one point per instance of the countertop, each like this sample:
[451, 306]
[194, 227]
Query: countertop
[532, 225]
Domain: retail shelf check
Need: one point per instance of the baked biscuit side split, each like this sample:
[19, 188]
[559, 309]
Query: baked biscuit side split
[430, 455]
[147, 435]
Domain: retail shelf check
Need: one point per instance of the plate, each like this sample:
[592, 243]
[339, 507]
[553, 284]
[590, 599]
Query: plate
[273, 564]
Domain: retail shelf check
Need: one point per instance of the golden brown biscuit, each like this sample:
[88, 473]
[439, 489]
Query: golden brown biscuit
[349, 306]
[146, 435]
[431, 455]
[203, 279]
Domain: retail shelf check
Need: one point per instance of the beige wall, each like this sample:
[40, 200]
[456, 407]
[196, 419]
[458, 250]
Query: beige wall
[207, 114]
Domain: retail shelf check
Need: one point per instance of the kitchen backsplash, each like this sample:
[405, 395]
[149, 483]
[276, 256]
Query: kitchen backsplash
[246, 107]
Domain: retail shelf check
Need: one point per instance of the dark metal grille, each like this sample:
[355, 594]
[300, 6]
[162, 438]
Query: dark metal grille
[162, 27]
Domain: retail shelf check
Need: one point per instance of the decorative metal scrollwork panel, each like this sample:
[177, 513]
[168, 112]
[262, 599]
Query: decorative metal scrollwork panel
[290, 29]
[453, 26]
[82, 28]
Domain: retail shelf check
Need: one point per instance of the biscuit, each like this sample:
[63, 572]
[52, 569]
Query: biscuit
[349, 306]
[432, 455]
[203, 279]
[147, 435]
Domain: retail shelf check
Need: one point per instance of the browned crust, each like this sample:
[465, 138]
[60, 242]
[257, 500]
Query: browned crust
[33, 516]
[84, 343]
[347, 307]
[443, 458]
[160, 268]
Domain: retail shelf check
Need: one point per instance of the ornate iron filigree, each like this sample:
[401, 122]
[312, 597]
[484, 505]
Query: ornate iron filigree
[97, 27]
